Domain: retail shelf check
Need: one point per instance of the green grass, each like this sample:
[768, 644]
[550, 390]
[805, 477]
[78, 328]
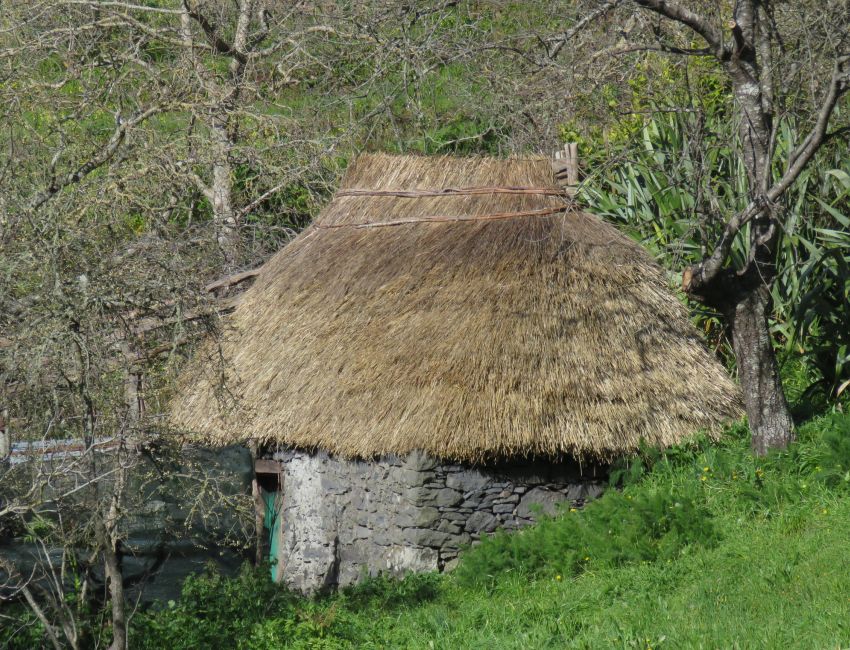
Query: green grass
[709, 547]
[770, 584]
[703, 546]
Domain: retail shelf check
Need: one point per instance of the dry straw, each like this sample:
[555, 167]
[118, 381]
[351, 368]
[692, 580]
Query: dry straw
[536, 335]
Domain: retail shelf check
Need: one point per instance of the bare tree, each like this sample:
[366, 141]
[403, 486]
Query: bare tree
[252, 36]
[783, 62]
[748, 44]
[125, 140]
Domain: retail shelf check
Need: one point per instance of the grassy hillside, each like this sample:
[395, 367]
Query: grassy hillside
[701, 547]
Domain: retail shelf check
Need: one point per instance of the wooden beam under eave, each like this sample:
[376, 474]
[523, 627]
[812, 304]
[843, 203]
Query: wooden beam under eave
[266, 466]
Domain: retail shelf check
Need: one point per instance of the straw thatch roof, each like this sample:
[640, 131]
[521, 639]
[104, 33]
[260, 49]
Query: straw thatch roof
[526, 328]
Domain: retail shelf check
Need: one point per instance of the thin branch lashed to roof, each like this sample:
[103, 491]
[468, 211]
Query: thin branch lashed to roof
[544, 332]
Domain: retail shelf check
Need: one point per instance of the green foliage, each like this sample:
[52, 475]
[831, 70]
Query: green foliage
[618, 529]
[252, 612]
[703, 545]
[248, 611]
[20, 629]
[827, 456]
[822, 314]
[384, 593]
[673, 180]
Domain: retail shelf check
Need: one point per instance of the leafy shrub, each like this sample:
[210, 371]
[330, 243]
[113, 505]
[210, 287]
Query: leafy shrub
[650, 183]
[615, 530]
[19, 628]
[828, 459]
[248, 611]
[384, 593]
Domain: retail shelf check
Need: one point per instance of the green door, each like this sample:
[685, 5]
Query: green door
[272, 525]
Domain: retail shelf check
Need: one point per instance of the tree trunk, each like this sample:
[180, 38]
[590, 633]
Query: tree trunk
[224, 214]
[764, 400]
[5, 435]
[220, 122]
[116, 596]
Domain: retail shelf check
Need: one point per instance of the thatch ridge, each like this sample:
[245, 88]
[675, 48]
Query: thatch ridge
[470, 340]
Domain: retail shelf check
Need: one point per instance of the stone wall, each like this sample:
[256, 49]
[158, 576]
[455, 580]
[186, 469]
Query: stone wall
[345, 519]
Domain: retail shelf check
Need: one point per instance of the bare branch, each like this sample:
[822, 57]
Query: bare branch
[211, 31]
[659, 47]
[562, 40]
[99, 4]
[802, 154]
[702, 274]
[700, 24]
[98, 159]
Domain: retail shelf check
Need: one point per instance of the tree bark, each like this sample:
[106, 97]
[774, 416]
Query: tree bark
[115, 579]
[227, 231]
[5, 435]
[220, 120]
[764, 399]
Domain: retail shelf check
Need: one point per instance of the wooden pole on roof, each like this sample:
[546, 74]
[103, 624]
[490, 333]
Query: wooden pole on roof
[565, 165]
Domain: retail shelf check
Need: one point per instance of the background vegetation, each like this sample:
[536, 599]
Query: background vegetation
[703, 546]
[707, 545]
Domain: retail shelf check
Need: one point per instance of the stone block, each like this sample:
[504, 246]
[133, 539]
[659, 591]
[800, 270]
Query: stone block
[446, 498]
[360, 499]
[401, 559]
[481, 522]
[425, 537]
[419, 461]
[418, 517]
[378, 520]
[439, 497]
[467, 481]
[385, 537]
[548, 501]
[456, 542]
[361, 532]
[450, 527]
[410, 477]
[471, 501]
[488, 501]
[358, 517]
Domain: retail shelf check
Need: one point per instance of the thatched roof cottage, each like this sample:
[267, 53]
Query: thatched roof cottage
[451, 342]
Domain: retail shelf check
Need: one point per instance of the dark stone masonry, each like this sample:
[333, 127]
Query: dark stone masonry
[344, 519]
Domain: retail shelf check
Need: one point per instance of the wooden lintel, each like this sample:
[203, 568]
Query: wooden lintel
[266, 466]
